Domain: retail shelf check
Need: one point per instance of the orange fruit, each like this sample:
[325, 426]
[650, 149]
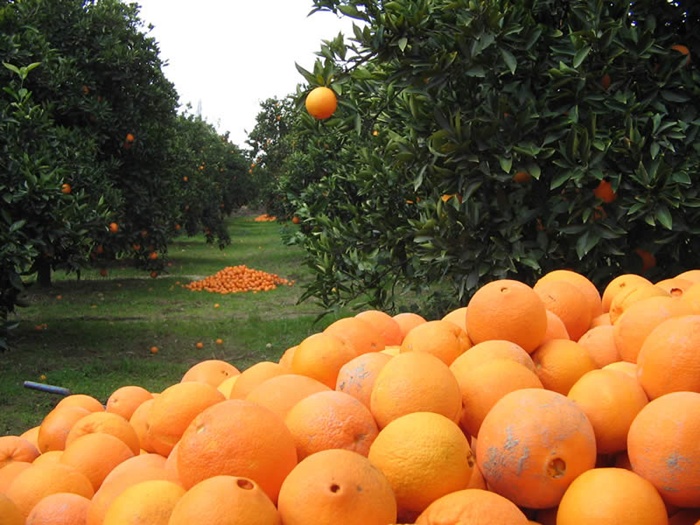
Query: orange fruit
[49, 457]
[676, 286]
[507, 309]
[31, 435]
[424, 456]
[599, 342]
[691, 299]
[143, 460]
[408, 320]
[621, 284]
[357, 333]
[253, 376]
[282, 392]
[669, 360]
[518, 454]
[636, 323]
[95, 455]
[9, 513]
[357, 376]
[560, 363]
[211, 371]
[610, 399]
[35, 483]
[385, 325]
[9, 472]
[241, 438]
[225, 500]
[442, 339]
[62, 508]
[623, 366]
[522, 177]
[326, 420]
[145, 503]
[54, 428]
[336, 486]
[226, 386]
[556, 329]
[415, 382]
[89, 403]
[485, 384]
[631, 295]
[611, 495]
[126, 399]
[663, 447]
[568, 302]
[139, 421]
[486, 351]
[690, 275]
[113, 227]
[472, 506]
[105, 422]
[123, 476]
[321, 102]
[604, 191]
[602, 320]
[458, 317]
[583, 283]
[285, 360]
[174, 409]
[15, 448]
[320, 356]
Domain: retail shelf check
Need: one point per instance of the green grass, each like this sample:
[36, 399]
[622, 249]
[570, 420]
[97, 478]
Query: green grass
[94, 335]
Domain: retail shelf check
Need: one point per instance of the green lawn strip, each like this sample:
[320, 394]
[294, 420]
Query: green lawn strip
[94, 335]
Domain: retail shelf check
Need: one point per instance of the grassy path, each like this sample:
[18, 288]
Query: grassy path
[94, 335]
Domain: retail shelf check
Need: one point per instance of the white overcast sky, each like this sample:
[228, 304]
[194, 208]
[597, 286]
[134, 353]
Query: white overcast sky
[230, 55]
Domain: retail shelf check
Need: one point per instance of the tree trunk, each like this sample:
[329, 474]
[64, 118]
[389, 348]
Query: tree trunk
[43, 270]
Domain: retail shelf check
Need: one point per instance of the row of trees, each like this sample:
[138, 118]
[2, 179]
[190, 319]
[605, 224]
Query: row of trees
[96, 161]
[494, 138]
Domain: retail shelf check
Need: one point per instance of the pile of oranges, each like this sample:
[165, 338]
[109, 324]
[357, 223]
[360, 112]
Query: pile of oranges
[550, 404]
[265, 218]
[240, 278]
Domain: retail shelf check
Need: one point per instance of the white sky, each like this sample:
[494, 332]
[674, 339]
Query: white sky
[230, 55]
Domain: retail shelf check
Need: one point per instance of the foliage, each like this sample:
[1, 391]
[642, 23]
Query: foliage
[495, 122]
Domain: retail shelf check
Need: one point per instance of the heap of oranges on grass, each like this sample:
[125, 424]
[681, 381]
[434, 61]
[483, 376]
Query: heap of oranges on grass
[552, 404]
[239, 278]
[265, 217]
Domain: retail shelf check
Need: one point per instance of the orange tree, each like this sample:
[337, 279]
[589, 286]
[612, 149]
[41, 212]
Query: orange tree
[500, 138]
[212, 179]
[93, 149]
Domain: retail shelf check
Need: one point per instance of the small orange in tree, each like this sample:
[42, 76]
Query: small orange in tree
[153, 256]
[130, 137]
[66, 189]
[683, 50]
[604, 191]
[321, 102]
[296, 220]
[113, 227]
[185, 178]
[605, 81]
[648, 259]
[522, 177]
